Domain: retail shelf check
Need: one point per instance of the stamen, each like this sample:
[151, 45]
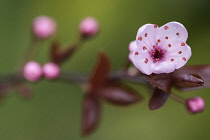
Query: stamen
[157, 55]
[169, 45]
[180, 52]
[184, 58]
[136, 53]
[146, 60]
[140, 38]
[146, 34]
[144, 47]
[183, 44]
[158, 40]
[155, 25]
[166, 37]
[165, 27]
[172, 60]
[177, 34]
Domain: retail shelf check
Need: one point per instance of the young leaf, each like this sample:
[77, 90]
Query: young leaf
[198, 75]
[91, 114]
[162, 81]
[59, 56]
[158, 99]
[54, 50]
[100, 73]
[119, 94]
[187, 80]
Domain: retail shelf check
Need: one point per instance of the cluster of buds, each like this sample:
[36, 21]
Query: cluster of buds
[158, 55]
[33, 71]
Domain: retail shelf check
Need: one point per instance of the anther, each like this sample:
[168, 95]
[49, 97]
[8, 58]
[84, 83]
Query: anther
[165, 27]
[140, 38]
[155, 25]
[183, 44]
[146, 34]
[144, 47]
[146, 60]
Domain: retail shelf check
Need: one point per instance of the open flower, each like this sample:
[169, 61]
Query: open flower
[160, 50]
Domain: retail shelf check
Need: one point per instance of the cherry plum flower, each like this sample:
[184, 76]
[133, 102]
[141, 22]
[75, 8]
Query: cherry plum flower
[160, 49]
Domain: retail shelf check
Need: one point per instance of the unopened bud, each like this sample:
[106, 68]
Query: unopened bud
[51, 70]
[195, 104]
[32, 71]
[43, 27]
[88, 27]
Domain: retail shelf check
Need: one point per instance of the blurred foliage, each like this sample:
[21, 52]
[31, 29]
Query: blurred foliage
[54, 111]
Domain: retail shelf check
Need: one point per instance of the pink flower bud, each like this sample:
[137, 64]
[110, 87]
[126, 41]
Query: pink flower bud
[88, 27]
[43, 27]
[51, 70]
[32, 71]
[195, 104]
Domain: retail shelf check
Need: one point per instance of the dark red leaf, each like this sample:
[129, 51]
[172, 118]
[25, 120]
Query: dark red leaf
[162, 81]
[187, 80]
[158, 99]
[198, 75]
[100, 73]
[119, 94]
[54, 50]
[91, 114]
[59, 56]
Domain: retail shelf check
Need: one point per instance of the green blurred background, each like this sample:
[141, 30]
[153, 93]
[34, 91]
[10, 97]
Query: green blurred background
[54, 111]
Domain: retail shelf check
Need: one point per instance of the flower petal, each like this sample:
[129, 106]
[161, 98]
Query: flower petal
[132, 47]
[146, 36]
[178, 54]
[163, 67]
[142, 60]
[171, 32]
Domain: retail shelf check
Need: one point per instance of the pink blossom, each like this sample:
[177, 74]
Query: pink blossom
[43, 27]
[88, 27]
[132, 47]
[32, 71]
[161, 49]
[51, 70]
[195, 104]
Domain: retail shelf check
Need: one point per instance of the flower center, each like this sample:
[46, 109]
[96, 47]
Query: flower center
[157, 54]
